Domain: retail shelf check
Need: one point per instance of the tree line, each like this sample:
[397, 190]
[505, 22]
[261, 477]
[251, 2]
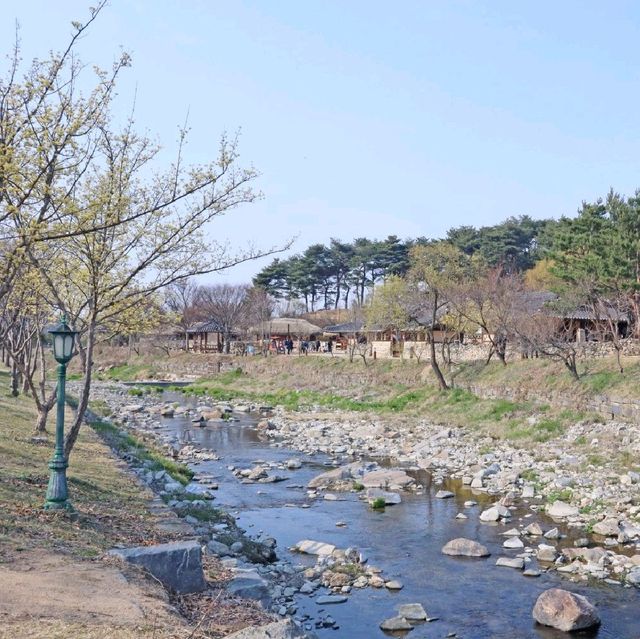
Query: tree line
[333, 276]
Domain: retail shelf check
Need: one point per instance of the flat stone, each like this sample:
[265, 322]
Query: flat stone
[531, 572]
[177, 565]
[565, 610]
[395, 624]
[508, 562]
[444, 494]
[283, 629]
[330, 599]
[513, 542]
[462, 547]
[394, 585]
[412, 612]
[386, 478]
[561, 510]
[309, 547]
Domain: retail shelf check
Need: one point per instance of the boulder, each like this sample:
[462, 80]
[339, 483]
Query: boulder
[284, 629]
[444, 494]
[257, 473]
[607, 528]
[412, 612]
[560, 510]
[218, 548]
[565, 610]
[386, 478]
[395, 624]
[534, 529]
[332, 476]
[546, 553]
[633, 577]
[177, 565]
[249, 584]
[491, 514]
[462, 547]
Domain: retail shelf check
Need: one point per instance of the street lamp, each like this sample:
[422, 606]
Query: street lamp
[57, 495]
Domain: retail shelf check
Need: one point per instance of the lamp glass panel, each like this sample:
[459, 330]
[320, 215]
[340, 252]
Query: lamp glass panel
[58, 346]
[68, 346]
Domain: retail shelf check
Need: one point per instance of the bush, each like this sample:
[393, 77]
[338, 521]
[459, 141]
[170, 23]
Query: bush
[378, 503]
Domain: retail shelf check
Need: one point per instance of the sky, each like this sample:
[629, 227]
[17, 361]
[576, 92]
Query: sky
[369, 118]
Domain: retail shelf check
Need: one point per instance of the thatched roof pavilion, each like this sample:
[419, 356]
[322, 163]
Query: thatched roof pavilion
[293, 326]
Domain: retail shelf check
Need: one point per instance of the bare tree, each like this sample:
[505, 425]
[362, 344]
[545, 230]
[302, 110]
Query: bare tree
[227, 305]
[549, 334]
[181, 300]
[492, 301]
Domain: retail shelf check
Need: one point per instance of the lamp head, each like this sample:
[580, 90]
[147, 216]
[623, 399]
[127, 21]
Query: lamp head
[63, 339]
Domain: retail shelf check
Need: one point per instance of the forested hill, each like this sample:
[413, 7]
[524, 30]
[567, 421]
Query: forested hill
[340, 273]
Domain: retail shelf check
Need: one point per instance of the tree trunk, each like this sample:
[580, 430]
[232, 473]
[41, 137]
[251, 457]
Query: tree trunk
[15, 379]
[87, 357]
[41, 422]
[570, 363]
[442, 382]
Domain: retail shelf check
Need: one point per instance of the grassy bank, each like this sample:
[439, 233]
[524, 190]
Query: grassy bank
[405, 390]
[98, 489]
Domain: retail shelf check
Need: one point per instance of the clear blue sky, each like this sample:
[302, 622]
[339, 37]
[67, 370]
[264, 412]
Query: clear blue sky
[370, 118]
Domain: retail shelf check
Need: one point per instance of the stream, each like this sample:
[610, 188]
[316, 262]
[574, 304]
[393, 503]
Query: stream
[473, 598]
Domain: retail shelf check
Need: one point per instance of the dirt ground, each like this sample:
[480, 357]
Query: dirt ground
[95, 600]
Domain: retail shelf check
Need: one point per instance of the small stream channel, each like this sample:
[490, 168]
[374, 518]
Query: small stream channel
[473, 598]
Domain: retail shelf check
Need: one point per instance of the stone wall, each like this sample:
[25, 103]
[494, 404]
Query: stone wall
[609, 407]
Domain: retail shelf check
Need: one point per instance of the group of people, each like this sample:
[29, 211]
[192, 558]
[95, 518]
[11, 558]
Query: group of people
[305, 346]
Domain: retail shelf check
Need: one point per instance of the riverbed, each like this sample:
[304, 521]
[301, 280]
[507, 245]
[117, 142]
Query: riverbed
[473, 598]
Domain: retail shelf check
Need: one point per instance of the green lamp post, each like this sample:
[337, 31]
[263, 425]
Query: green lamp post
[57, 495]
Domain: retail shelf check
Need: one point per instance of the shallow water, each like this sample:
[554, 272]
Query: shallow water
[471, 597]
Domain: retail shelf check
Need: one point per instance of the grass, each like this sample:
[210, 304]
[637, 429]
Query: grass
[129, 372]
[378, 503]
[98, 489]
[125, 442]
[559, 495]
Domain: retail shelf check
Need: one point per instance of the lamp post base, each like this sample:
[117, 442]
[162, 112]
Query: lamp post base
[57, 494]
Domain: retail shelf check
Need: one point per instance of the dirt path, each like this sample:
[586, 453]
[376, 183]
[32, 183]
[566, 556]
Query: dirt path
[95, 600]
